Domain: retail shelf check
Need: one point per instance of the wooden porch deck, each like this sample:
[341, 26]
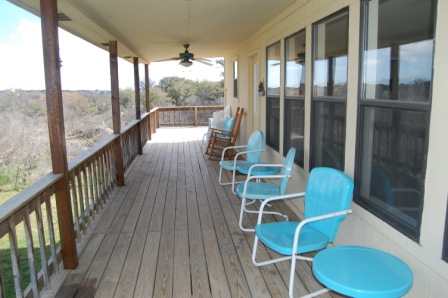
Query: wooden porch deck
[172, 231]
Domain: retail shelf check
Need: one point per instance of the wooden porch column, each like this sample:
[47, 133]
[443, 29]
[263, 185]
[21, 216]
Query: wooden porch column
[148, 99]
[52, 63]
[113, 53]
[137, 105]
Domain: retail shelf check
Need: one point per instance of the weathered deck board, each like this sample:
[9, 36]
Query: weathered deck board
[172, 231]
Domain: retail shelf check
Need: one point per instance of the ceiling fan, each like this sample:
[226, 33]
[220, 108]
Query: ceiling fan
[186, 58]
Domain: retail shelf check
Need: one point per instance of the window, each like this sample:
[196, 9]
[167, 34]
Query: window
[294, 95]
[445, 238]
[395, 95]
[273, 96]
[235, 78]
[329, 94]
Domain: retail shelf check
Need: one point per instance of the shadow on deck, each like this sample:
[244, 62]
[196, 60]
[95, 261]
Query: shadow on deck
[172, 231]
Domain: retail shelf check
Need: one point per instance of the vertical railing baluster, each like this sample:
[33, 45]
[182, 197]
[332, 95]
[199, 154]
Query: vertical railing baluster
[50, 226]
[91, 191]
[85, 187]
[30, 250]
[95, 181]
[84, 212]
[41, 234]
[101, 178]
[75, 206]
[112, 164]
[2, 285]
[15, 259]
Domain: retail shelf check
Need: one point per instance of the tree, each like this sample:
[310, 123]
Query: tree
[221, 62]
[209, 93]
[180, 91]
[127, 97]
[167, 82]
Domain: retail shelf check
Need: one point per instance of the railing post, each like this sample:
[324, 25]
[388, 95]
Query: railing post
[137, 106]
[115, 97]
[196, 116]
[148, 100]
[52, 64]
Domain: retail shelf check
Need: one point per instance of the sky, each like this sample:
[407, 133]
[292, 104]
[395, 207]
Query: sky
[21, 60]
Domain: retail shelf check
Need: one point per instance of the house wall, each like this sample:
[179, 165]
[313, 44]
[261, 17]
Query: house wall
[362, 227]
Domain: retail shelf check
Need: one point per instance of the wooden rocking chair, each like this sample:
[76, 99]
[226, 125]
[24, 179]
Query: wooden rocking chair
[219, 139]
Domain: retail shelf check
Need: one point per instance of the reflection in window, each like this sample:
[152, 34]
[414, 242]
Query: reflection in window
[273, 68]
[294, 118]
[294, 128]
[330, 38]
[330, 56]
[396, 71]
[329, 119]
[393, 146]
[273, 96]
[406, 77]
[295, 65]
[272, 122]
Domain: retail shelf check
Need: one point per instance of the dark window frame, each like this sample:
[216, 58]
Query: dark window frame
[315, 100]
[289, 99]
[365, 103]
[445, 237]
[272, 119]
[235, 78]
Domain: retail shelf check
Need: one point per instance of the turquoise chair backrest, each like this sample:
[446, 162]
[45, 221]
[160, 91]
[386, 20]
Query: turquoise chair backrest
[228, 123]
[328, 190]
[255, 142]
[287, 166]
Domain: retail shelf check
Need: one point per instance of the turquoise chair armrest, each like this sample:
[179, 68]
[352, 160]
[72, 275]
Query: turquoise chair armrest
[314, 219]
[278, 198]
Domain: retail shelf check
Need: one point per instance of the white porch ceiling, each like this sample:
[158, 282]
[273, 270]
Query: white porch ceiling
[156, 29]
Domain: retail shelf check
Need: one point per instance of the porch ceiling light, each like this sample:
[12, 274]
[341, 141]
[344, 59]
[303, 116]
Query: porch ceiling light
[185, 63]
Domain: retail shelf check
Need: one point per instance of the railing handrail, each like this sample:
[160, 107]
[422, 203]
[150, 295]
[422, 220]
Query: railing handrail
[76, 161]
[188, 108]
[15, 203]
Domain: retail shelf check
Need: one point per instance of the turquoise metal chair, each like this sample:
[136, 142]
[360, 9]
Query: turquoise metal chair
[327, 201]
[253, 189]
[252, 153]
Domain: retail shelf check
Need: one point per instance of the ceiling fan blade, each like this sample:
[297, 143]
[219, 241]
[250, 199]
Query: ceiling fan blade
[204, 61]
[169, 59]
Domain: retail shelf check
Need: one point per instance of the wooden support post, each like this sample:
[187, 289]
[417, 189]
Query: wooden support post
[52, 64]
[115, 97]
[196, 116]
[148, 99]
[137, 106]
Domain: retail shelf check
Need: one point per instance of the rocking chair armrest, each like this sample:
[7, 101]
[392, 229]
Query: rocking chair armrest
[314, 219]
[277, 198]
[215, 131]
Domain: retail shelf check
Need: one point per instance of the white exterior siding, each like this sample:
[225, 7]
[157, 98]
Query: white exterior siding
[362, 227]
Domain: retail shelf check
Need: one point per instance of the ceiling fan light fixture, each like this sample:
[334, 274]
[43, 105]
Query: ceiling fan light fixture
[185, 63]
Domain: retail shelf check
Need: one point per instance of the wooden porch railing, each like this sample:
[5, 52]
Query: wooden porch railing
[186, 116]
[29, 223]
